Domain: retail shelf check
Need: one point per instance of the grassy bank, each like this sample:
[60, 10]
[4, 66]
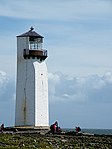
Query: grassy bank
[49, 141]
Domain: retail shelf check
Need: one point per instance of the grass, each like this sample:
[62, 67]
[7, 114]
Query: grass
[37, 141]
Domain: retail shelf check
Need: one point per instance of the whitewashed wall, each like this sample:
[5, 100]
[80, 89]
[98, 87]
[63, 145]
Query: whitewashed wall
[41, 95]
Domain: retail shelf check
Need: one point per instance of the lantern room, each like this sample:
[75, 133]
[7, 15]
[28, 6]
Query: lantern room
[34, 48]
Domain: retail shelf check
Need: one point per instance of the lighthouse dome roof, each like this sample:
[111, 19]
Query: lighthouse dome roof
[30, 33]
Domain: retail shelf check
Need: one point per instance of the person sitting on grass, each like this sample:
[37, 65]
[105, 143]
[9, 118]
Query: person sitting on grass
[55, 128]
[78, 129]
[2, 128]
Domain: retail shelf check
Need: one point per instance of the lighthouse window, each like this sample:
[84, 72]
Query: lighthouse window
[35, 43]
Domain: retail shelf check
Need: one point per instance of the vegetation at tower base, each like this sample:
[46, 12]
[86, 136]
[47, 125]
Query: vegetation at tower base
[41, 140]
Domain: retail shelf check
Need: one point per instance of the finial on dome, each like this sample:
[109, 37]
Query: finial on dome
[31, 28]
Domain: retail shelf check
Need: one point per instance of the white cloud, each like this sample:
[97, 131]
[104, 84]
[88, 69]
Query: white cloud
[81, 89]
[108, 77]
[7, 87]
[2, 77]
[7, 99]
[3, 82]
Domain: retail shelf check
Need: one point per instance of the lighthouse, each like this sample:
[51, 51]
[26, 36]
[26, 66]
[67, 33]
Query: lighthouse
[32, 108]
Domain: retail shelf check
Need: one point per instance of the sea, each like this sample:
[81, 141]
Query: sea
[92, 131]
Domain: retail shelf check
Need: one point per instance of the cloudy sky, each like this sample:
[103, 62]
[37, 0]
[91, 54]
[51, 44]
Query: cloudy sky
[78, 36]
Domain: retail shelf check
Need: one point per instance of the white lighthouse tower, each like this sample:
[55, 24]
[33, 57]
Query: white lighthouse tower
[32, 82]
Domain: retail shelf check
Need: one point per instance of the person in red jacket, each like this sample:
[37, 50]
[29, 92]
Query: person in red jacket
[78, 129]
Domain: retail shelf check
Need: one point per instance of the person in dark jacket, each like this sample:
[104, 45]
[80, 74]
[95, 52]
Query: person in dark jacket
[55, 128]
[2, 128]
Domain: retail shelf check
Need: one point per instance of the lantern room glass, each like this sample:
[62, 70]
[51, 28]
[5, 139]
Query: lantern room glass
[35, 43]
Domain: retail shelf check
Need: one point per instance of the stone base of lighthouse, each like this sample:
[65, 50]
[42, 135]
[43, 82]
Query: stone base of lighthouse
[32, 127]
[32, 95]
